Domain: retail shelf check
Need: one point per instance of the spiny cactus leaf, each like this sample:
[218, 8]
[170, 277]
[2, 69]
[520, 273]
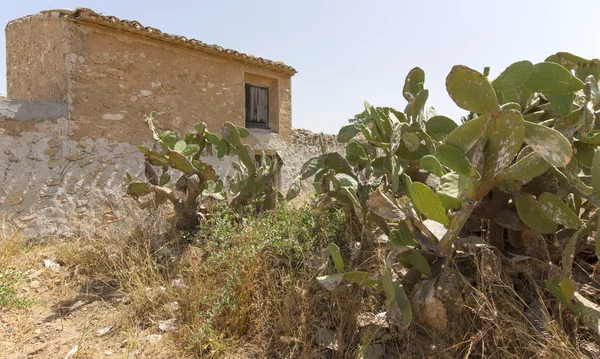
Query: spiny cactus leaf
[347, 133]
[165, 178]
[592, 91]
[411, 141]
[555, 209]
[525, 169]
[138, 189]
[206, 172]
[552, 79]
[179, 146]
[588, 119]
[450, 203]
[419, 261]
[466, 135]
[531, 214]
[222, 148]
[413, 83]
[329, 282]
[597, 239]
[247, 157]
[453, 158]
[346, 180]
[382, 206]
[563, 103]
[438, 127]
[338, 163]
[338, 261]
[419, 104]
[243, 131]
[471, 91]
[550, 144]
[596, 172]
[453, 184]
[356, 154]
[181, 163]
[294, 189]
[511, 106]
[231, 133]
[169, 138]
[534, 116]
[583, 67]
[402, 236]
[190, 150]
[212, 138]
[513, 76]
[554, 287]
[593, 138]
[584, 154]
[431, 164]
[363, 278]
[504, 139]
[428, 203]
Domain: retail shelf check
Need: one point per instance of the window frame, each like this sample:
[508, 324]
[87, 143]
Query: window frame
[247, 123]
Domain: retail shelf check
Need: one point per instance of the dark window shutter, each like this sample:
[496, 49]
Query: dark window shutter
[257, 106]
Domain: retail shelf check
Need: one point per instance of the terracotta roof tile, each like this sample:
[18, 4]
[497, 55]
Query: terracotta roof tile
[90, 16]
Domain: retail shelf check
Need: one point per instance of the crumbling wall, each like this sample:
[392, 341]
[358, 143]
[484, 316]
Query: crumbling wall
[54, 185]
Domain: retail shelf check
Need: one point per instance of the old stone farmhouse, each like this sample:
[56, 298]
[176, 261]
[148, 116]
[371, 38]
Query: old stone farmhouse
[79, 87]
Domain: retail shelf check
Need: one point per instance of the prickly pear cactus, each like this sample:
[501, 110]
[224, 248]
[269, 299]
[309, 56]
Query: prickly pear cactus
[521, 170]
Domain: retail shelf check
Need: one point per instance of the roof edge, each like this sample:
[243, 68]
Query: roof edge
[86, 15]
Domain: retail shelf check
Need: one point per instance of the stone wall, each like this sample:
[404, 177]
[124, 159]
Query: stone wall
[51, 184]
[80, 86]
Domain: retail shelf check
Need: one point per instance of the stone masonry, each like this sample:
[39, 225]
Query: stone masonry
[79, 87]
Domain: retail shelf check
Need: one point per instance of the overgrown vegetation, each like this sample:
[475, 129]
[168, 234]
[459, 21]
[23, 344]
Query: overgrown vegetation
[11, 244]
[427, 238]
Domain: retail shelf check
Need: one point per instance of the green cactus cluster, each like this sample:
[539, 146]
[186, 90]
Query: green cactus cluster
[252, 182]
[525, 162]
[183, 154]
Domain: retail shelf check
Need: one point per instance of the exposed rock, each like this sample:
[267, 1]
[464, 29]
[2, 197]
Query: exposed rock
[168, 325]
[52, 265]
[373, 351]
[104, 330]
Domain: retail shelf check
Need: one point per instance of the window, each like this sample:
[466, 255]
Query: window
[257, 106]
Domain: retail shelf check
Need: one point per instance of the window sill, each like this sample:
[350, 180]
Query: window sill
[260, 130]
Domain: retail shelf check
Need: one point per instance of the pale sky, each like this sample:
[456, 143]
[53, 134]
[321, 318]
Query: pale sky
[349, 51]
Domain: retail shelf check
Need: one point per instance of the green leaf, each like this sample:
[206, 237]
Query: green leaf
[584, 154]
[362, 278]
[294, 189]
[431, 164]
[411, 141]
[338, 261]
[531, 214]
[554, 287]
[165, 177]
[128, 176]
[212, 138]
[222, 148]
[471, 91]
[402, 236]
[428, 203]
[243, 131]
[525, 169]
[596, 172]
[504, 139]
[190, 150]
[563, 103]
[550, 144]
[138, 189]
[453, 184]
[453, 158]
[169, 138]
[558, 211]
[419, 104]
[552, 79]
[450, 203]
[466, 135]
[413, 83]
[438, 127]
[513, 76]
[179, 146]
[418, 261]
[231, 133]
[179, 162]
[347, 133]
[356, 154]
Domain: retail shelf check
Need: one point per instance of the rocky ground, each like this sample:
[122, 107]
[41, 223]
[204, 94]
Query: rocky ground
[70, 318]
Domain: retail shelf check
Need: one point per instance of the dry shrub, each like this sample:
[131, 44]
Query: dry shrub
[246, 289]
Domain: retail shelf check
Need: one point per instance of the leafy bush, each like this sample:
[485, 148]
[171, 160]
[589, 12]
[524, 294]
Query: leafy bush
[525, 163]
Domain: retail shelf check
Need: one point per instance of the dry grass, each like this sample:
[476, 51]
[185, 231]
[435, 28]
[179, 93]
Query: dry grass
[247, 290]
